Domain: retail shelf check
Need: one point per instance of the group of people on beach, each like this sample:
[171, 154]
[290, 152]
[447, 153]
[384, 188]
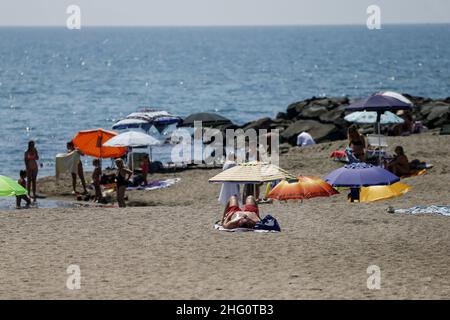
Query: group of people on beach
[398, 164]
[28, 176]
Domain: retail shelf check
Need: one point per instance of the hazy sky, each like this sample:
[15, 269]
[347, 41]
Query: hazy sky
[221, 12]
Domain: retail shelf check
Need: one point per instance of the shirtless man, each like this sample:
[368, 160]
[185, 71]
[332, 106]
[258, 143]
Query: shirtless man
[400, 164]
[235, 217]
[71, 148]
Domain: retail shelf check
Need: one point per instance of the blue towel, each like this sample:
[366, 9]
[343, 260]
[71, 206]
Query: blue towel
[268, 223]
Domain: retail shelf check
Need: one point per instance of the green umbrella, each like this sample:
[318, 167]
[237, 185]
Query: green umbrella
[10, 188]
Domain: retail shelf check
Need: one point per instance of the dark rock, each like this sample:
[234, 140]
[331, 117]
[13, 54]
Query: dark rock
[294, 109]
[333, 116]
[280, 123]
[312, 112]
[319, 131]
[282, 116]
[438, 116]
[263, 123]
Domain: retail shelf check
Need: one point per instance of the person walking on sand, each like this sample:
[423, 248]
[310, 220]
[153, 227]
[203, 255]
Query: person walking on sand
[23, 182]
[229, 189]
[71, 148]
[96, 177]
[30, 157]
[122, 177]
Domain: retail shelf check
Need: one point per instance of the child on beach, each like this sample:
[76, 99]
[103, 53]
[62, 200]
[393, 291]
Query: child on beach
[145, 167]
[23, 182]
[96, 177]
[122, 177]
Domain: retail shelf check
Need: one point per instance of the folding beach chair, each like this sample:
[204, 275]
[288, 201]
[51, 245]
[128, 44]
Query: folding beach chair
[376, 147]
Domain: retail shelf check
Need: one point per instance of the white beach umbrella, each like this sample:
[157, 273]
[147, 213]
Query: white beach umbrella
[369, 117]
[132, 139]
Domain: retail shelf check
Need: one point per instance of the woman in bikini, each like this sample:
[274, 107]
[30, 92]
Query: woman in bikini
[30, 157]
[235, 217]
[356, 142]
[122, 177]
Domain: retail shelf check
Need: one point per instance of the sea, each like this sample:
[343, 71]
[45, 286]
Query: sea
[55, 82]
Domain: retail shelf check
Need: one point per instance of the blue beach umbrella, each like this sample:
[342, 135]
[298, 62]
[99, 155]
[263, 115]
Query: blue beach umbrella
[369, 117]
[360, 174]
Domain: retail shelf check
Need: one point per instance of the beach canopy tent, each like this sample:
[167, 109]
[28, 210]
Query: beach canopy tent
[90, 142]
[10, 188]
[207, 119]
[370, 117]
[304, 187]
[145, 119]
[132, 139]
[252, 173]
[375, 193]
[360, 174]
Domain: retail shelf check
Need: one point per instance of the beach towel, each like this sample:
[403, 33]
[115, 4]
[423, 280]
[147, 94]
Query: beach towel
[339, 155]
[268, 224]
[156, 184]
[442, 210]
[414, 173]
[66, 162]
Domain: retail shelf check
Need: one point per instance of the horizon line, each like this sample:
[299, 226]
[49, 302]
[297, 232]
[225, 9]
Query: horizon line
[228, 25]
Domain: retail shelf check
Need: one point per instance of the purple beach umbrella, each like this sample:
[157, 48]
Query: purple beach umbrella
[360, 174]
[379, 103]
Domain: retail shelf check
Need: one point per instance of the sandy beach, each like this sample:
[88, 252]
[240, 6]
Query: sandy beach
[168, 248]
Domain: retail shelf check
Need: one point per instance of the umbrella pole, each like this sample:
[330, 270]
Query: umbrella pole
[132, 160]
[379, 137]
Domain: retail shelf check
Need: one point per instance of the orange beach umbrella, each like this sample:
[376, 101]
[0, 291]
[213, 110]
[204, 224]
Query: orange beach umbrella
[305, 188]
[90, 142]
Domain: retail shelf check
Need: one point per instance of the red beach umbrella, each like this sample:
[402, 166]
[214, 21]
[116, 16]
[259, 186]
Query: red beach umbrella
[90, 142]
[305, 188]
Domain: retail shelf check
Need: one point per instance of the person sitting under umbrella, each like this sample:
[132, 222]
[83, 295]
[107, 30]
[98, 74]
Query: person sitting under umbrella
[400, 164]
[235, 217]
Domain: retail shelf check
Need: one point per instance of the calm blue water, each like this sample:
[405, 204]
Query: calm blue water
[54, 82]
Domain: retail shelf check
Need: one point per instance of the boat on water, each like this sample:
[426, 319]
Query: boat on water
[146, 119]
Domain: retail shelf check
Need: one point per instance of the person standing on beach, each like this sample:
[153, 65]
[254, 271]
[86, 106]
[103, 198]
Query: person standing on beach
[356, 142]
[71, 148]
[229, 189]
[122, 177]
[30, 157]
[96, 177]
[145, 168]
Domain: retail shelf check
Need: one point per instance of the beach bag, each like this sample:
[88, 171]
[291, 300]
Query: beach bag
[268, 223]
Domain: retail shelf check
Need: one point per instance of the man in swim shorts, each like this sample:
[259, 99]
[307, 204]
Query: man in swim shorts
[235, 217]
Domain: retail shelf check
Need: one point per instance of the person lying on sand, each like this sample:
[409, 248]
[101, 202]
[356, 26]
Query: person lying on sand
[400, 164]
[235, 217]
